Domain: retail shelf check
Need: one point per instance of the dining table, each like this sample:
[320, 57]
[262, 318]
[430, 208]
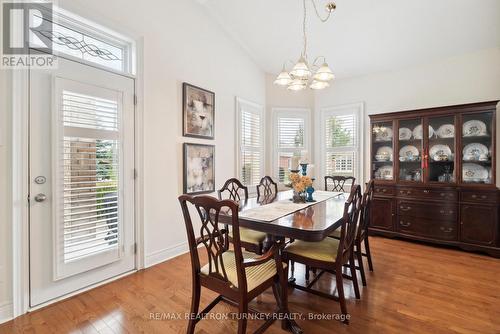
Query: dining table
[280, 218]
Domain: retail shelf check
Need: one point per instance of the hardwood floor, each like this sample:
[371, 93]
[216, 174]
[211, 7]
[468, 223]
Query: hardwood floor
[415, 289]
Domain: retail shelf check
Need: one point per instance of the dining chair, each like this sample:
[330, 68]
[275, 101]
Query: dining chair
[252, 241]
[267, 187]
[331, 255]
[362, 232]
[235, 275]
[337, 183]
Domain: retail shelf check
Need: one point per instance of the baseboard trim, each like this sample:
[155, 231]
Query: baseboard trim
[6, 313]
[165, 254]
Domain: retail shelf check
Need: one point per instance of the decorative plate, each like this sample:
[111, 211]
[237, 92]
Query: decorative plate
[474, 128]
[384, 151]
[440, 150]
[404, 134]
[474, 173]
[385, 172]
[409, 151]
[446, 131]
[417, 132]
[384, 134]
[475, 150]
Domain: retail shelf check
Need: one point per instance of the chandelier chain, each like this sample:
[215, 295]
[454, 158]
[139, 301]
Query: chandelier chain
[318, 15]
[304, 52]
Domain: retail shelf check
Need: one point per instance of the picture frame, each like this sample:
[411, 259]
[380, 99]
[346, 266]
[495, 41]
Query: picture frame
[199, 168]
[198, 112]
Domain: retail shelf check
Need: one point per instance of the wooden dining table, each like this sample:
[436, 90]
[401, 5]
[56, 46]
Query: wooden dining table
[312, 223]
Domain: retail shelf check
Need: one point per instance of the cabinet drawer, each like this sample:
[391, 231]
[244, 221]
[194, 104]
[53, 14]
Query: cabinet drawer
[441, 211]
[429, 228]
[384, 191]
[428, 193]
[478, 196]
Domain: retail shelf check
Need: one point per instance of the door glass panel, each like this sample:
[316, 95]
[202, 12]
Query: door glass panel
[382, 154]
[410, 150]
[442, 149]
[476, 148]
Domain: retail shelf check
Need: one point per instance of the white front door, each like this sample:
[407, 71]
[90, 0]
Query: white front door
[81, 178]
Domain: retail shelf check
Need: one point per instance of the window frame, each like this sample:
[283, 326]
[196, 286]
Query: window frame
[348, 109]
[240, 104]
[281, 112]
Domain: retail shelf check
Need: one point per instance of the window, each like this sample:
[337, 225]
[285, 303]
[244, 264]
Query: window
[341, 141]
[291, 128]
[250, 142]
[85, 41]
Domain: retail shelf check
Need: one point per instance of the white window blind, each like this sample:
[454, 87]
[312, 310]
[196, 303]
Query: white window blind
[250, 142]
[89, 176]
[291, 138]
[341, 144]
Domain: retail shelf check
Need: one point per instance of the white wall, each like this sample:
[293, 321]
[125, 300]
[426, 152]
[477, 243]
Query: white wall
[5, 202]
[462, 79]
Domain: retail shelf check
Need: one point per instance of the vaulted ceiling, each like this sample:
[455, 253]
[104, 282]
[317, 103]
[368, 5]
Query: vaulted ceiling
[363, 36]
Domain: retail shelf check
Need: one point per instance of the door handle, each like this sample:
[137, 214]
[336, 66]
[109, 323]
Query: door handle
[40, 197]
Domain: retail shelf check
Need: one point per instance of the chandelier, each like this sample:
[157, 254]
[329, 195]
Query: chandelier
[316, 76]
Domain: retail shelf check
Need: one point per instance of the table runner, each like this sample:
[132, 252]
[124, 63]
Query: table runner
[275, 210]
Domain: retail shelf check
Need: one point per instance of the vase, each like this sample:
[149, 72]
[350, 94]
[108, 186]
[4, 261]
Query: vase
[299, 197]
[309, 192]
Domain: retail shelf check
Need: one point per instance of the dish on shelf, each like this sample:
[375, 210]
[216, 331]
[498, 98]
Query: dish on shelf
[474, 128]
[405, 134]
[475, 151]
[417, 132]
[384, 173]
[384, 152]
[383, 134]
[440, 152]
[409, 153]
[446, 131]
[474, 173]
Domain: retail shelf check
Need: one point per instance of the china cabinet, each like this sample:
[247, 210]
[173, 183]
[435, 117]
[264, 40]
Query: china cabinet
[435, 180]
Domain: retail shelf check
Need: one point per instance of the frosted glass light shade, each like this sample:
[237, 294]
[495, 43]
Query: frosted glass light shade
[301, 69]
[316, 84]
[296, 85]
[324, 73]
[283, 79]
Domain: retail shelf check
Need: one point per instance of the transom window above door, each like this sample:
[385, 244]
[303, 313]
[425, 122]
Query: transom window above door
[87, 42]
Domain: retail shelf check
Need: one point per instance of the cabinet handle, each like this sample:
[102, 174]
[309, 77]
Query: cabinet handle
[484, 197]
[384, 190]
[408, 208]
[443, 212]
[474, 196]
[426, 191]
[446, 229]
[402, 223]
[407, 192]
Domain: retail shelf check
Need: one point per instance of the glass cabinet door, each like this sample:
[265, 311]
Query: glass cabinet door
[410, 150]
[441, 162]
[382, 154]
[476, 155]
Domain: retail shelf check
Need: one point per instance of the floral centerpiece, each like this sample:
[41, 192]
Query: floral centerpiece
[300, 183]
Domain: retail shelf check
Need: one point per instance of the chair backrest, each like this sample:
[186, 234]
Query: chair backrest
[235, 189]
[348, 230]
[213, 238]
[364, 214]
[267, 187]
[337, 183]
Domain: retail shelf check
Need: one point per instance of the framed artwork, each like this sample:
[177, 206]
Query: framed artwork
[198, 106]
[199, 168]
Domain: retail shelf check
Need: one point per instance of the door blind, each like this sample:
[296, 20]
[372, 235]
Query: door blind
[90, 175]
[251, 147]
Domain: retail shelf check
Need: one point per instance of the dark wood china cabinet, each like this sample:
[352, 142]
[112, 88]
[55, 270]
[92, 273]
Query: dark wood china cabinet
[434, 172]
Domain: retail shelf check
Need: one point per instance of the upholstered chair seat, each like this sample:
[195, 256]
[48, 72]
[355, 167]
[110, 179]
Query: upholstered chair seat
[325, 250]
[336, 234]
[250, 236]
[256, 275]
